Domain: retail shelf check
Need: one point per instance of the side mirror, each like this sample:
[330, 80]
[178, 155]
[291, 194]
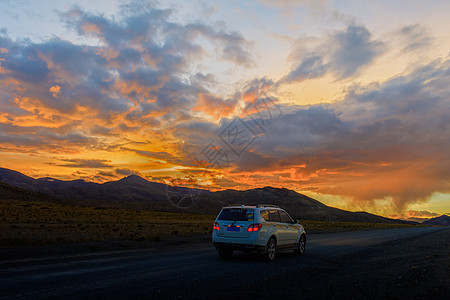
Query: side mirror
[295, 221]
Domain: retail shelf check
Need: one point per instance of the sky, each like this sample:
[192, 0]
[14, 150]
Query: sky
[345, 101]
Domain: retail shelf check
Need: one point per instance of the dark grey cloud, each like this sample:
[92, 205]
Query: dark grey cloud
[127, 172]
[103, 175]
[414, 37]
[309, 67]
[27, 139]
[158, 155]
[84, 163]
[25, 65]
[203, 82]
[167, 44]
[343, 53]
[256, 88]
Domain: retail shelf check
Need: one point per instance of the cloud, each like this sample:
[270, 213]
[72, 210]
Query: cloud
[415, 215]
[421, 214]
[343, 53]
[136, 79]
[289, 7]
[26, 139]
[127, 172]
[157, 155]
[85, 163]
[256, 88]
[383, 143]
[55, 90]
[414, 37]
[215, 106]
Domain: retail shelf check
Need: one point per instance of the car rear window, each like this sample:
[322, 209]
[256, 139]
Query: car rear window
[236, 214]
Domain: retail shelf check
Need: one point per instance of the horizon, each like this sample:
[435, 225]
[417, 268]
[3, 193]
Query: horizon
[412, 214]
[344, 102]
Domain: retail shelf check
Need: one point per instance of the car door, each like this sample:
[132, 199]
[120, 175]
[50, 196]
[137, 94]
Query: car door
[290, 230]
[275, 220]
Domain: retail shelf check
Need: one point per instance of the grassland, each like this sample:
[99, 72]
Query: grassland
[36, 223]
[26, 223]
[326, 226]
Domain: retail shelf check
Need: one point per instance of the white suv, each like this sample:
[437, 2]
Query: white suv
[264, 228]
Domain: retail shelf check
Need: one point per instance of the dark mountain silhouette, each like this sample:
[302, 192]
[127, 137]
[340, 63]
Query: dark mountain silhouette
[299, 205]
[45, 185]
[10, 192]
[135, 192]
[443, 220]
[129, 192]
[416, 219]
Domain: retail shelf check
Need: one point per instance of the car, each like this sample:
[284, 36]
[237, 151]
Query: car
[263, 228]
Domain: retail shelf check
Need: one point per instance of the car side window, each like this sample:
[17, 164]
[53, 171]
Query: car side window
[274, 216]
[264, 214]
[285, 217]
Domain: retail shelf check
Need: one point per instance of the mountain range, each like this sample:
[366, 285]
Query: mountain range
[135, 192]
[442, 220]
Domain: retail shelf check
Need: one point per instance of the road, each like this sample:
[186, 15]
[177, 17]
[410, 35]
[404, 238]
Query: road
[188, 272]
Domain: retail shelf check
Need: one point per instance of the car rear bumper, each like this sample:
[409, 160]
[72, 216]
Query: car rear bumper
[239, 246]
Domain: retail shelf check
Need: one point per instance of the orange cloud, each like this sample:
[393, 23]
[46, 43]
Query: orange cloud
[251, 95]
[215, 106]
[55, 90]
[415, 215]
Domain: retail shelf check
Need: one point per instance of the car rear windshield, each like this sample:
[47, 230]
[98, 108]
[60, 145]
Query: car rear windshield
[236, 214]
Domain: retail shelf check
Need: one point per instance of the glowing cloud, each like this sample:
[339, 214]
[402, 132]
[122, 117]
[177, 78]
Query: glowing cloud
[54, 90]
[215, 106]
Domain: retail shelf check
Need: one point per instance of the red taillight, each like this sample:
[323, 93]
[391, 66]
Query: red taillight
[216, 226]
[254, 227]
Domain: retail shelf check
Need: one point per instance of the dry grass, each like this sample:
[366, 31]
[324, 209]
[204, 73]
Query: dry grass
[326, 226]
[25, 223]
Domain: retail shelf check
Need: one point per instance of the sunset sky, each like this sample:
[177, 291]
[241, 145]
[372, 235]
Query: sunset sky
[345, 101]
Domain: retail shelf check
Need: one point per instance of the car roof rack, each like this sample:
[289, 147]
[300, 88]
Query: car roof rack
[247, 205]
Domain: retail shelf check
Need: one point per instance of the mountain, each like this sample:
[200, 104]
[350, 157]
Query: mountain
[416, 219]
[443, 220]
[45, 185]
[130, 192]
[298, 205]
[10, 192]
[135, 192]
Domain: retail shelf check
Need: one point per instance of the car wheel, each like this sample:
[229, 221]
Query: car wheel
[225, 253]
[271, 250]
[301, 247]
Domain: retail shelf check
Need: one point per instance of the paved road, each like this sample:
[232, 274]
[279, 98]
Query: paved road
[191, 272]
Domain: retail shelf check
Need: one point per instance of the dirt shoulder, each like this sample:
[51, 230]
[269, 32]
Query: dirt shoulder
[401, 269]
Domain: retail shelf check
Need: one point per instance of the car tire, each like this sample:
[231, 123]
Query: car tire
[301, 246]
[225, 253]
[271, 250]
